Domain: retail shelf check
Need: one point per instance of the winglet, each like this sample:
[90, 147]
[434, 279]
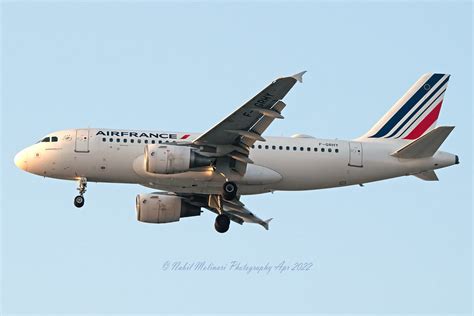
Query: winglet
[265, 223]
[299, 76]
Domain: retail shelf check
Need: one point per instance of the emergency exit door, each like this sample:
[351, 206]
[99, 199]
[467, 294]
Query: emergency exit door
[355, 154]
[82, 140]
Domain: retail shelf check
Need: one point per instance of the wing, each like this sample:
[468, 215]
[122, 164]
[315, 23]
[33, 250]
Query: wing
[237, 132]
[235, 209]
[238, 213]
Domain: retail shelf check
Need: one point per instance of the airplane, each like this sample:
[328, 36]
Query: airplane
[214, 169]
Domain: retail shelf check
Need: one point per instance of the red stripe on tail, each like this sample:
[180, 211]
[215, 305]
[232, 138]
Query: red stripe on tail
[425, 123]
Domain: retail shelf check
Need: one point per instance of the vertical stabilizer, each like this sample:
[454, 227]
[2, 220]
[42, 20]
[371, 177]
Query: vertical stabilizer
[415, 113]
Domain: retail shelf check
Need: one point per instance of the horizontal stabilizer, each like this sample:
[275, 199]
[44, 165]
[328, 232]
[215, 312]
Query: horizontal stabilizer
[429, 175]
[426, 145]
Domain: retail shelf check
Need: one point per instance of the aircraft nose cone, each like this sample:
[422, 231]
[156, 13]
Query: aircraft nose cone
[20, 160]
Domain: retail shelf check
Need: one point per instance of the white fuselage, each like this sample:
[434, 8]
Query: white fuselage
[280, 163]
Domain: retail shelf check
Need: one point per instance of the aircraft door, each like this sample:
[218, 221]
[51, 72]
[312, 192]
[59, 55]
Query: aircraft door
[82, 140]
[355, 154]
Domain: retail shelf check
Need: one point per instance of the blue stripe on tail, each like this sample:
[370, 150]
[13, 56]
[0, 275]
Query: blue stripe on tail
[419, 107]
[408, 106]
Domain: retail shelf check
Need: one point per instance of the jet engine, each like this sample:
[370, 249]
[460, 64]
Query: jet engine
[163, 208]
[167, 159]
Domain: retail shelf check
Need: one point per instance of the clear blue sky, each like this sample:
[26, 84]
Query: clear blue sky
[399, 246]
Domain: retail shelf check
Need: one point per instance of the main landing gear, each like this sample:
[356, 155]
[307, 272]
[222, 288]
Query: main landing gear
[229, 191]
[79, 200]
[222, 223]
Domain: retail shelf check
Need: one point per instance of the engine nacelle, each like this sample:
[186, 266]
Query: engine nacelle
[162, 208]
[166, 159]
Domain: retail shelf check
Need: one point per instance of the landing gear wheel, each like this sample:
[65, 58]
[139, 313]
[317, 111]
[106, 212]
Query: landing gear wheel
[79, 201]
[82, 188]
[229, 191]
[222, 223]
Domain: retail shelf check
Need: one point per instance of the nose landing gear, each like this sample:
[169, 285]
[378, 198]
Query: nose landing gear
[79, 200]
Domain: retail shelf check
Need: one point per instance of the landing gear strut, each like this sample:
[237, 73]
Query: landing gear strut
[229, 191]
[79, 200]
[222, 223]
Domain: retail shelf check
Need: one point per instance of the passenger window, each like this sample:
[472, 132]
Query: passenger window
[266, 146]
[281, 147]
[336, 150]
[302, 148]
[322, 150]
[287, 147]
[274, 147]
[259, 146]
[111, 140]
[54, 139]
[153, 141]
[132, 140]
[146, 141]
[329, 150]
[139, 141]
[45, 140]
[125, 140]
[159, 142]
[118, 140]
[104, 139]
[315, 149]
[294, 148]
[308, 149]
[253, 146]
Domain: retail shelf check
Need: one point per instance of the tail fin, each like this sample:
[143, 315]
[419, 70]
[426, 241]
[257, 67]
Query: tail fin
[415, 113]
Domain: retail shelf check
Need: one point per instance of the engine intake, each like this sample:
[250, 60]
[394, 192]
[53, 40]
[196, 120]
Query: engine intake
[162, 208]
[167, 159]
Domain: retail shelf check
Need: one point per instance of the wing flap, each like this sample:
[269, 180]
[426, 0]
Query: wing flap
[237, 209]
[264, 122]
[249, 134]
[240, 157]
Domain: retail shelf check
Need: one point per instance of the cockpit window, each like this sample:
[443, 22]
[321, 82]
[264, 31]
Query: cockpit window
[49, 139]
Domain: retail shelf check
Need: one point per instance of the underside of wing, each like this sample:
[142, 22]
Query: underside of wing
[235, 209]
[233, 136]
